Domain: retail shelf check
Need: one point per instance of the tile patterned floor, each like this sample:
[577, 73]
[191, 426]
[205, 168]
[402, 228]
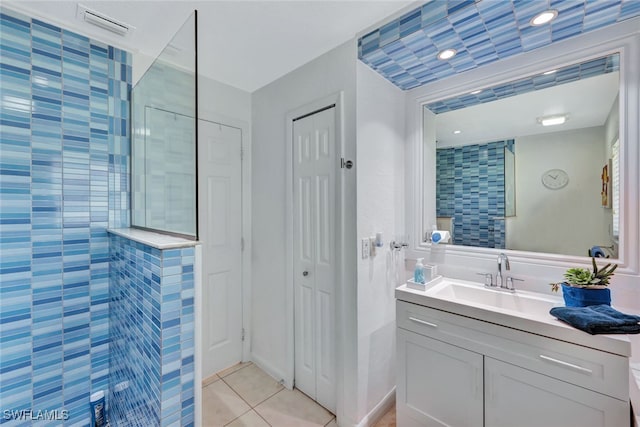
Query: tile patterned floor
[245, 396]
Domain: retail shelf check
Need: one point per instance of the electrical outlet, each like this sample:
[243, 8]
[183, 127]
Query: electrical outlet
[366, 248]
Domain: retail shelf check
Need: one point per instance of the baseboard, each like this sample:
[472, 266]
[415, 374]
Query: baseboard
[277, 374]
[379, 410]
[209, 380]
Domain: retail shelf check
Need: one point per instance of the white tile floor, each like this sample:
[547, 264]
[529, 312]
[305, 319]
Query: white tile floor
[244, 395]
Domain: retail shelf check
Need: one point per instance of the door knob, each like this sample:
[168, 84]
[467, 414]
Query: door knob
[305, 273]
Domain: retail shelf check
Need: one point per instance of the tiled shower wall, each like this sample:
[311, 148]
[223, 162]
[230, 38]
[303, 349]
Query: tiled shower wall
[470, 188]
[63, 181]
[152, 335]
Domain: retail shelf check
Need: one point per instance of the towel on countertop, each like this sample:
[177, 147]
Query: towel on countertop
[598, 319]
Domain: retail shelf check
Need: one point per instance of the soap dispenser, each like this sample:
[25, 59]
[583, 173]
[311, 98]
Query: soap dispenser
[418, 274]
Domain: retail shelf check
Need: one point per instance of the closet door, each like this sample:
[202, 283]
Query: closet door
[314, 161]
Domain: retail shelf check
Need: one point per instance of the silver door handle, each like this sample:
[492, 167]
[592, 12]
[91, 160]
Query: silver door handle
[566, 364]
[305, 273]
[422, 322]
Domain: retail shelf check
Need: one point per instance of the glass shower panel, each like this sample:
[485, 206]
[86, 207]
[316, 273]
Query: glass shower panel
[164, 139]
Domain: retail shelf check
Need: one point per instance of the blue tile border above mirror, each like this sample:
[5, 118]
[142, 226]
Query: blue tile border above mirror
[404, 50]
[594, 67]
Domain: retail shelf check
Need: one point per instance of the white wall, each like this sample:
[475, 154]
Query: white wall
[380, 120]
[612, 124]
[324, 76]
[219, 102]
[544, 216]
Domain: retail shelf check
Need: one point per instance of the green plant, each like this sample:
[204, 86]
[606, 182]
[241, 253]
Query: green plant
[579, 276]
[584, 278]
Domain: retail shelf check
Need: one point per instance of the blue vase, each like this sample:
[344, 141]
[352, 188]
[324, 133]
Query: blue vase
[584, 297]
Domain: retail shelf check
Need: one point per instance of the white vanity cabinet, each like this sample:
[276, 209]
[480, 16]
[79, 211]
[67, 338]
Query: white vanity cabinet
[458, 371]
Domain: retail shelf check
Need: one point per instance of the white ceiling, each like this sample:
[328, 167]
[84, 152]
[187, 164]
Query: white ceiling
[587, 102]
[246, 44]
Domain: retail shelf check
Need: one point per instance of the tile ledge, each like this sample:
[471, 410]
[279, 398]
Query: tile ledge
[153, 239]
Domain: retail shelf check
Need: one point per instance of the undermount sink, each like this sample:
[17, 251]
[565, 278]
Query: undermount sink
[520, 301]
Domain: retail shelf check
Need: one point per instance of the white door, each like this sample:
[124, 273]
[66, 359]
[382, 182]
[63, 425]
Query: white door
[314, 168]
[439, 385]
[518, 397]
[220, 229]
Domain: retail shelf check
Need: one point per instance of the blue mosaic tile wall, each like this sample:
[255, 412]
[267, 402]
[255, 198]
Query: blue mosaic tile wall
[563, 75]
[63, 180]
[470, 188]
[404, 50]
[152, 335]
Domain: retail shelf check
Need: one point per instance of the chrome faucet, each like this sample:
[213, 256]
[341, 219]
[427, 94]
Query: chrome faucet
[499, 280]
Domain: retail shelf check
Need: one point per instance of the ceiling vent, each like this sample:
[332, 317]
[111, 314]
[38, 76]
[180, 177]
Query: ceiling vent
[103, 21]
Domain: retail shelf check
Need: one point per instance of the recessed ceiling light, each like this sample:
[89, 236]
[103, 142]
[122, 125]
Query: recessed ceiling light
[456, 132]
[546, 73]
[552, 120]
[447, 54]
[544, 17]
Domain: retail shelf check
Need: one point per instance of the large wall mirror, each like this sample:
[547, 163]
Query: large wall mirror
[530, 165]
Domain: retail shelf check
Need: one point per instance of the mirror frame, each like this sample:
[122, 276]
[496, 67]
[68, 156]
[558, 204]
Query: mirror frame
[622, 38]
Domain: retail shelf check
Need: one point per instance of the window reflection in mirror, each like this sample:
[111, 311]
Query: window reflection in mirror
[505, 179]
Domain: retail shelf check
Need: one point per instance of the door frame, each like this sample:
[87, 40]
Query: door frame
[336, 99]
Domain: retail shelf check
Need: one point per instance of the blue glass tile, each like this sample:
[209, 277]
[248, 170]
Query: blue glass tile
[629, 9]
[410, 23]
[67, 273]
[9, 18]
[433, 11]
[486, 30]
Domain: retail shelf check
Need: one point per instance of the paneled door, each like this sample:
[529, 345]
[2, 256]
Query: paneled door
[220, 225]
[314, 169]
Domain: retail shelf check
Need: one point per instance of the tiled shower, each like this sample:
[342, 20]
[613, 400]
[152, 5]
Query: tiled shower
[80, 310]
[64, 180]
[465, 177]
[152, 339]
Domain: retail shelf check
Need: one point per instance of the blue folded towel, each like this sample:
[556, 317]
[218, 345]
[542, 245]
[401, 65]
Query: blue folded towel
[598, 319]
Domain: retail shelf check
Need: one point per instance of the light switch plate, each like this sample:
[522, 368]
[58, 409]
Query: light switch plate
[366, 248]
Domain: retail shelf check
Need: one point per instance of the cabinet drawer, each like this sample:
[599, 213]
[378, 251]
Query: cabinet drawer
[583, 366]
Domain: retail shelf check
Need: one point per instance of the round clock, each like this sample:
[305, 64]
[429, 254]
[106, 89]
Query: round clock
[555, 179]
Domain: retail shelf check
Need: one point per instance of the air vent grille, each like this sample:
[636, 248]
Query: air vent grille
[105, 22]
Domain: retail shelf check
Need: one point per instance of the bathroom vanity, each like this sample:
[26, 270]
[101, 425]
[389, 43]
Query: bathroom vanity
[472, 356]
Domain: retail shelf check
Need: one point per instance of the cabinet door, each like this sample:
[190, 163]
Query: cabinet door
[518, 397]
[438, 384]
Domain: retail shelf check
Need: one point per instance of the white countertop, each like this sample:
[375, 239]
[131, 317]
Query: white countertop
[537, 323]
[153, 239]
